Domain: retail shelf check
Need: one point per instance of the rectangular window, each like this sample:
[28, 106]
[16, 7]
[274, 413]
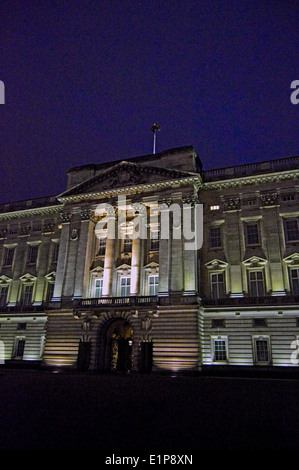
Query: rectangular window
[217, 285]
[27, 295]
[21, 326]
[50, 291]
[55, 252]
[252, 234]
[98, 288]
[19, 348]
[292, 230]
[215, 237]
[3, 295]
[102, 247]
[259, 322]
[127, 244]
[219, 349]
[295, 281]
[154, 241]
[256, 283]
[8, 256]
[125, 283]
[218, 323]
[262, 350]
[32, 254]
[153, 285]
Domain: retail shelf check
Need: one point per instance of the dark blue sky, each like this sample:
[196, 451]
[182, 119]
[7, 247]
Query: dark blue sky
[85, 80]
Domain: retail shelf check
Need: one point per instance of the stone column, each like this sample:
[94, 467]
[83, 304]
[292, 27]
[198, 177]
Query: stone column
[63, 255]
[190, 258]
[84, 254]
[233, 243]
[136, 247]
[109, 258]
[164, 256]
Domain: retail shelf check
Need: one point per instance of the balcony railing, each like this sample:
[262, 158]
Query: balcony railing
[247, 301]
[107, 301]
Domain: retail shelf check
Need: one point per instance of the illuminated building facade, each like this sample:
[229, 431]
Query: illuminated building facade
[72, 296]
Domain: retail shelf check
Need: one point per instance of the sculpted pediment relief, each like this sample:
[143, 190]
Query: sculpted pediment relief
[123, 175]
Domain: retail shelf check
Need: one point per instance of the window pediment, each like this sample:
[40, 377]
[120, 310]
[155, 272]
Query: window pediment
[216, 264]
[292, 260]
[27, 278]
[254, 262]
[4, 280]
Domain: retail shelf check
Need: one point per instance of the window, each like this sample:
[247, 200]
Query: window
[127, 244]
[154, 242]
[55, 252]
[102, 247]
[256, 283]
[8, 256]
[292, 230]
[153, 285]
[50, 291]
[215, 237]
[288, 197]
[295, 281]
[98, 288]
[261, 350]
[217, 285]
[214, 208]
[251, 234]
[27, 295]
[21, 326]
[259, 322]
[19, 347]
[3, 295]
[218, 323]
[219, 349]
[125, 283]
[32, 254]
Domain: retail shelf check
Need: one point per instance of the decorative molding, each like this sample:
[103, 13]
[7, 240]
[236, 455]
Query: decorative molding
[251, 180]
[31, 212]
[66, 217]
[231, 204]
[254, 262]
[269, 199]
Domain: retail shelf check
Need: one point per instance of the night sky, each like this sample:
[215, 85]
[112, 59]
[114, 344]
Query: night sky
[85, 81]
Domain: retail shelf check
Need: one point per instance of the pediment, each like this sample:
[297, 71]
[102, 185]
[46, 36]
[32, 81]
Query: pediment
[4, 280]
[28, 278]
[292, 260]
[254, 261]
[124, 175]
[216, 264]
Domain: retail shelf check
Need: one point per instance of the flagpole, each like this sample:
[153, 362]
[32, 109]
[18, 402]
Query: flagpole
[154, 129]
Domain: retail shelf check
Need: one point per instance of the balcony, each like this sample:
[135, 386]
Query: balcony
[252, 301]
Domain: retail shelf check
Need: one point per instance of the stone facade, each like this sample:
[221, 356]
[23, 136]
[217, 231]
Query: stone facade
[72, 296]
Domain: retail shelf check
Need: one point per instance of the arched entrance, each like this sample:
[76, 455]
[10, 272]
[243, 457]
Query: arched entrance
[115, 346]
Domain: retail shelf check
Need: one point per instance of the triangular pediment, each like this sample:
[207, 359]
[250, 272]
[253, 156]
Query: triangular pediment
[254, 261]
[216, 264]
[125, 175]
[292, 260]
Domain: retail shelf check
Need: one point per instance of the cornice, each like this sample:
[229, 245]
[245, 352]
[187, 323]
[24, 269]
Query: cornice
[140, 188]
[250, 180]
[31, 212]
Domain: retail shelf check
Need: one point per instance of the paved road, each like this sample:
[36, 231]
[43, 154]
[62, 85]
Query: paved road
[43, 410]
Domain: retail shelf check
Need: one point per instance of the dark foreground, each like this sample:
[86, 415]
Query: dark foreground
[44, 410]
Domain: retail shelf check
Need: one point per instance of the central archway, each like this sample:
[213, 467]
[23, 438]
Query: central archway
[115, 346]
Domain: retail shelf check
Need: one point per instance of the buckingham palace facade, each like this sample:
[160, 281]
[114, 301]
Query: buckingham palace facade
[73, 296]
